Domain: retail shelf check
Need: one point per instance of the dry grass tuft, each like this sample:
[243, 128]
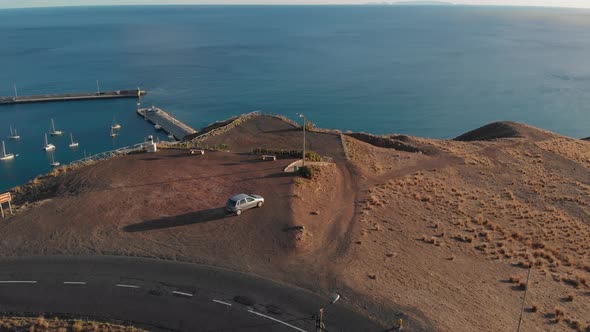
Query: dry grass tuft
[514, 279]
[559, 313]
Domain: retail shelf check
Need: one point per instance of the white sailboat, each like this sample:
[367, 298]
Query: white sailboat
[13, 133]
[157, 126]
[54, 132]
[115, 124]
[48, 146]
[113, 133]
[4, 155]
[72, 143]
[53, 162]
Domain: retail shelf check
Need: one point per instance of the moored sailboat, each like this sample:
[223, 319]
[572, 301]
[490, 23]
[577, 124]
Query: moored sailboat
[48, 146]
[53, 131]
[53, 162]
[72, 143]
[4, 155]
[13, 133]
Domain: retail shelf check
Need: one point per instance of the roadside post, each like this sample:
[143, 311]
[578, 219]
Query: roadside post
[320, 325]
[6, 198]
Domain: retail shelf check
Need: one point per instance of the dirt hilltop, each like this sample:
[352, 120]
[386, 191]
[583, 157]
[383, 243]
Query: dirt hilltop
[439, 232]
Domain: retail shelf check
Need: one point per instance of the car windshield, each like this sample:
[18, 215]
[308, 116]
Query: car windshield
[231, 202]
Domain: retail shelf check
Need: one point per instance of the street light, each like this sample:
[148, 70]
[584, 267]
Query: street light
[319, 324]
[303, 159]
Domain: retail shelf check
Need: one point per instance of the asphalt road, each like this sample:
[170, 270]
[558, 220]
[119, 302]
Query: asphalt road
[162, 296]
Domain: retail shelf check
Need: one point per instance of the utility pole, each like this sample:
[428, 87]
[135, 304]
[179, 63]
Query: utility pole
[303, 159]
[524, 297]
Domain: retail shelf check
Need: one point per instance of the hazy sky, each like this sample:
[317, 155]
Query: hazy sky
[48, 3]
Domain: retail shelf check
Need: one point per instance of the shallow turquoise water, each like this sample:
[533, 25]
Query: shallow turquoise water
[426, 71]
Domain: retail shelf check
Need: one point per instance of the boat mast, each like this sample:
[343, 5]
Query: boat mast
[15, 92]
[46, 143]
[3, 150]
[97, 87]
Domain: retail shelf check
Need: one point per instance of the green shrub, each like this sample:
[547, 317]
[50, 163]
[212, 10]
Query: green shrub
[309, 125]
[312, 156]
[307, 172]
[294, 154]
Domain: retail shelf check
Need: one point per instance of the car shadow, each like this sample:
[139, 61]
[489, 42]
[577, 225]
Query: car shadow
[177, 221]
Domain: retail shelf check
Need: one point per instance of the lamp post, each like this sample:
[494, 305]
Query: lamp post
[319, 324]
[303, 159]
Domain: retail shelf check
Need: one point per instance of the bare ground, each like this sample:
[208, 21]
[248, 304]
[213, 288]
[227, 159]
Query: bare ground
[436, 232]
[42, 324]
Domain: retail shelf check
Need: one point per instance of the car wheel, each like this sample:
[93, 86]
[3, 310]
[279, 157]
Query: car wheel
[259, 204]
[238, 212]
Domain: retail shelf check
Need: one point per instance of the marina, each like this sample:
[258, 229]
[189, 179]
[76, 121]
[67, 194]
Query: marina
[67, 135]
[16, 99]
[162, 120]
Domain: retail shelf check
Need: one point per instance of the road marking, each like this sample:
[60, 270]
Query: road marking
[276, 320]
[182, 293]
[74, 283]
[126, 286]
[221, 302]
[18, 282]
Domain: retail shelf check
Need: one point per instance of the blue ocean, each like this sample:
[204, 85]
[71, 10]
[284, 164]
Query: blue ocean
[418, 70]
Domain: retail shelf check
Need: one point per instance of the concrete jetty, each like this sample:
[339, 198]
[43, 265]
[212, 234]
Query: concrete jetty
[9, 100]
[167, 122]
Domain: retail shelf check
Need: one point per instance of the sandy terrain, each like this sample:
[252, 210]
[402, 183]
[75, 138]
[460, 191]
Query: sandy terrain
[439, 233]
[42, 324]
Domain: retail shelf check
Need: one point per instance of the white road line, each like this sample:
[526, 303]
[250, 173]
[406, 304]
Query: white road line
[276, 320]
[126, 286]
[18, 282]
[221, 302]
[182, 293]
[74, 283]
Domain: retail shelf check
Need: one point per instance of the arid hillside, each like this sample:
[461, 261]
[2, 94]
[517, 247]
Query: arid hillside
[440, 233]
[452, 232]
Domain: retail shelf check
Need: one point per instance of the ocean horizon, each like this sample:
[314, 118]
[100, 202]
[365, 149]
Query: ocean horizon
[431, 71]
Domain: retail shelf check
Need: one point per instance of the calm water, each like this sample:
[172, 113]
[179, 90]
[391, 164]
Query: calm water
[427, 71]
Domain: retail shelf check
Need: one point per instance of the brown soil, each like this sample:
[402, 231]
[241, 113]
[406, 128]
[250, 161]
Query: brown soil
[441, 239]
[273, 133]
[505, 129]
[42, 324]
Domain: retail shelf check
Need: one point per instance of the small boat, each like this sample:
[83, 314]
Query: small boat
[170, 136]
[115, 124]
[48, 146]
[72, 143]
[4, 155]
[53, 162]
[157, 127]
[113, 133]
[13, 133]
[54, 132]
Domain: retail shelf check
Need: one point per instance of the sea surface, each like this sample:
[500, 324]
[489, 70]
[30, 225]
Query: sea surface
[425, 71]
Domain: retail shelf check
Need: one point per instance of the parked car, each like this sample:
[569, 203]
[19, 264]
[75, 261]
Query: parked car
[242, 202]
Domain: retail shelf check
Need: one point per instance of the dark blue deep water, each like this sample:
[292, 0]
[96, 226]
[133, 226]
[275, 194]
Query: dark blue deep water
[427, 71]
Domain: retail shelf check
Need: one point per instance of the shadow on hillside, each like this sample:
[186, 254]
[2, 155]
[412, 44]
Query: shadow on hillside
[177, 221]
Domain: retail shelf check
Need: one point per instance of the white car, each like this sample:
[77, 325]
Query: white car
[243, 202]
